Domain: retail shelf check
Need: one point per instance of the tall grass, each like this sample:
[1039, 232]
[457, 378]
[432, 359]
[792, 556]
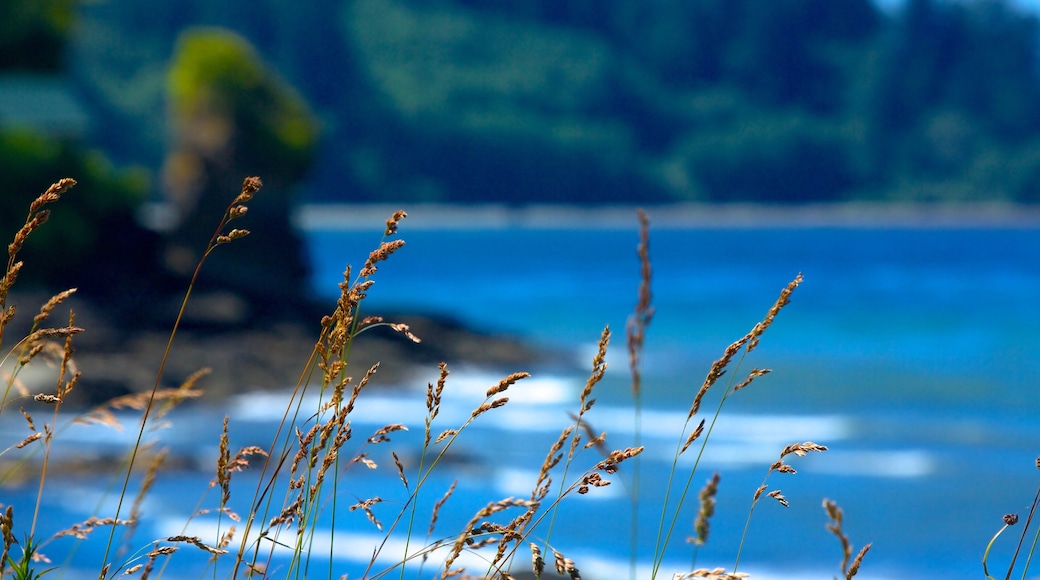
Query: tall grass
[300, 480]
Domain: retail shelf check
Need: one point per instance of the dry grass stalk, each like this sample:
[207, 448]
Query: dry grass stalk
[239, 462]
[779, 497]
[598, 441]
[400, 469]
[552, 459]
[37, 217]
[485, 407]
[101, 415]
[783, 300]
[5, 286]
[438, 505]
[837, 518]
[226, 538]
[34, 350]
[223, 459]
[644, 312]
[363, 459]
[235, 233]
[288, 514]
[715, 574]
[800, 449]
[337, 396]
[146, 485]
[149, 566]
[31, 224]
[406, 331]
[366, 506]
[304, 442]
[433, 403]
[343, 434]
[28, 418]
[53, 193]
[186, 389]
[447, 433]
[754, 374]
[250, 186]
[380, 254]
[750, 340]
[610, 464]
[692, 437]
[506, 383]
[701, 525]
[599, 368]
[81, 530]
[856, 562]
[153, 555]
[590, 478]
[52, 303]
[338, 330]
[471, 528]
[29, 440]
[45, 333]
[391, 224]
[559, 562]
[198, 543]
[162, 551]
[67, 366]
[6, 313]
[6, 530]
[16, 383]
[718, 368]
[537, 563]
[380, 435]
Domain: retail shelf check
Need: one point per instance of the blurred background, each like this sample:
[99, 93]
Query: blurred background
[890, 151]
[515, 102]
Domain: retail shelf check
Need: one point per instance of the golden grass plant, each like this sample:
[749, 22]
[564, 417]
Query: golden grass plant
[304, 473]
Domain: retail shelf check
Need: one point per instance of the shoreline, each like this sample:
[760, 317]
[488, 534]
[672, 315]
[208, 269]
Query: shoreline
[352, 217]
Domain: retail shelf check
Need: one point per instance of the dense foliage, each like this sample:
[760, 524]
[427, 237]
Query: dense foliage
[215, 73]
[32, 34]
[536, 100]
[96, 228]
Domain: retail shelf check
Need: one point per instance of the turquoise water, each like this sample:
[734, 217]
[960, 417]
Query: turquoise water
[910, 352]
[913, 349]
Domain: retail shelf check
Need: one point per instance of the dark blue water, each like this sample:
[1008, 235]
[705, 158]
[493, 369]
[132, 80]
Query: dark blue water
[910, 352]
[920, 340]
[955, 305]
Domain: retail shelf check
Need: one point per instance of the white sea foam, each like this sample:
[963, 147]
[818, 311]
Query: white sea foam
[465, 390]
[540, 406]
[344, 546]
[520, 482]
[357, 548]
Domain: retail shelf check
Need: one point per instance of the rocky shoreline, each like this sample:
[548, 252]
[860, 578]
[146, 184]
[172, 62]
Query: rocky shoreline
[117, 358]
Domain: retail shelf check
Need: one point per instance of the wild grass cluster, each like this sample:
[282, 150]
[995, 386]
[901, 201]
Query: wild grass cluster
[300, 480]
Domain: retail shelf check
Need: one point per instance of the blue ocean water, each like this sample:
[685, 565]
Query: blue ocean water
[913, 348]
[909, 351]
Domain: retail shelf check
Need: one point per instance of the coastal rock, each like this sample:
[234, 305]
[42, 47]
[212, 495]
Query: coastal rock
[118, 359]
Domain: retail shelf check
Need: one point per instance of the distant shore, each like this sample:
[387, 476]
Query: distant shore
[683, 216]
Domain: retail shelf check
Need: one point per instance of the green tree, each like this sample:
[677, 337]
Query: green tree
[94, 229]
[233, 116]
[33, 33]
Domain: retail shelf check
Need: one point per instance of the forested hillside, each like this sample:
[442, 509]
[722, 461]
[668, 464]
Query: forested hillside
[610, 100]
